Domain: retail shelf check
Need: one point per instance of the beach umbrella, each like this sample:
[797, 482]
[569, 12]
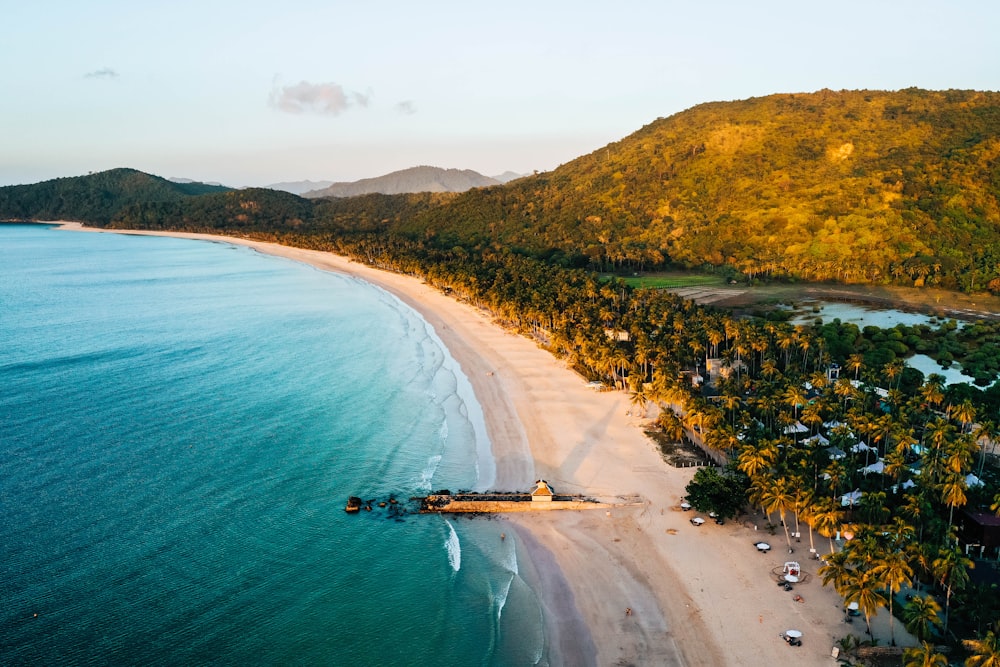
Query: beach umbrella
[794, 634]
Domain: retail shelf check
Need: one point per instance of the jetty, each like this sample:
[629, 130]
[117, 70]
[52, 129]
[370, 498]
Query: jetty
[541, 498]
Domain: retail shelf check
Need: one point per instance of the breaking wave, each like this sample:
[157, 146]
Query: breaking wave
[454, 548]
[427, 474]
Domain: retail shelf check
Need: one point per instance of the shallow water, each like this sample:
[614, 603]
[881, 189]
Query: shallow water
[182, 423]
[808, 312]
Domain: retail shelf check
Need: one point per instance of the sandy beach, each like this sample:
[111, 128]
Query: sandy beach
[699, 596]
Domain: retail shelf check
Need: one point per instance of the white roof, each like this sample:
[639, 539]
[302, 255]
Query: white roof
[797, 427]
[878, 467]
[851, 498]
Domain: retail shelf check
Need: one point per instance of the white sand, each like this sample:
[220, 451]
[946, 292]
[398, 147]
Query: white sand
[699, 595]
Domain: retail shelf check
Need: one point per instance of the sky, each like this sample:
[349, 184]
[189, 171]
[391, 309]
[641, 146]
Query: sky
[251, 93]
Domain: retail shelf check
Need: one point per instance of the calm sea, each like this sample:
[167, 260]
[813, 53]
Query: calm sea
[181, 423]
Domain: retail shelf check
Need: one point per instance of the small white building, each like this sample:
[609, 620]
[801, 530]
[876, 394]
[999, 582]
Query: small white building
[851, 499]
[542, 493]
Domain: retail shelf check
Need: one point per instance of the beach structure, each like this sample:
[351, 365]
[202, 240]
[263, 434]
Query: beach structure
[980, 532]
[542, 497]
[542, 493]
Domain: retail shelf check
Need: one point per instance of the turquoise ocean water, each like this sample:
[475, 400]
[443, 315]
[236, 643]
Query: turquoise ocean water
[181, 423]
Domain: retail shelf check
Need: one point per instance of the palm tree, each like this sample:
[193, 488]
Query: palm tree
[931, 391]
[921, 616]
[836, 571]
[731, 401]
[786, 338]
[901, 533]
[951, 568]
[965, 413]
[986, 652]
[916, 507]
[804, 345]
[924, 656]
[755, 459]
[856, 362]
[873, 506]
[803, 502]
[811, 417]
[826, 518]
[896, 466]
[845, 390]
[893, 572]
[835, 474]
[723, 438]
[639, 396]
[986, 435]
[953, 494]
[794, 397]
[862, 587]
[673, 427]
[893, 370]
[777, 497]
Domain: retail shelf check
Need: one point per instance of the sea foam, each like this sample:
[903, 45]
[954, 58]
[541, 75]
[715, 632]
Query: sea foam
[454, 548]
[427, 474]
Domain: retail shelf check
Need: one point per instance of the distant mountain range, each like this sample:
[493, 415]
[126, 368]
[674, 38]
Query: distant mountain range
[189, 181]
[299, 187]
[508, 176]
[414, 179]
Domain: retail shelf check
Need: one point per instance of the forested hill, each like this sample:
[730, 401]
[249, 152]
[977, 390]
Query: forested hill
[853, 186]
[95, 198]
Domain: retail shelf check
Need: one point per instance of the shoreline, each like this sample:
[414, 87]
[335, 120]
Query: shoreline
[699, 596]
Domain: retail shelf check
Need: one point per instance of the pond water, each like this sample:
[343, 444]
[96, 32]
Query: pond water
[806, 312]
[926, 365]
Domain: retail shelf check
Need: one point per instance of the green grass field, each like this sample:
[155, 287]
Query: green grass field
[673, 280]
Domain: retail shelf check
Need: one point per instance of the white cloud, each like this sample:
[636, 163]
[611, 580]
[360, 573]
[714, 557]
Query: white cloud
[323, 98]
[406, 108]
[103, 73]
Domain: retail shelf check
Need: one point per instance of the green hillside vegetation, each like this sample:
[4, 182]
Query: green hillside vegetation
[853, 186]
[858, 186]
[95, 198]
[273, 211]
